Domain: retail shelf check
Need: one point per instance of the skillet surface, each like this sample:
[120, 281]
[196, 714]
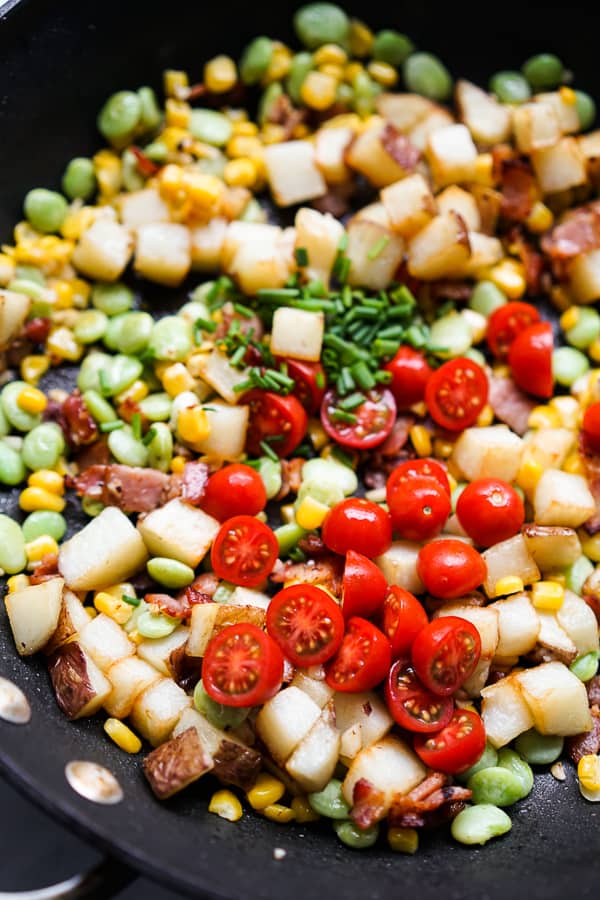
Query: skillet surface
[56, 67]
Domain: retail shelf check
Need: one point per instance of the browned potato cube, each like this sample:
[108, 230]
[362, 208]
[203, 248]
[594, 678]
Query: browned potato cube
[174, 765]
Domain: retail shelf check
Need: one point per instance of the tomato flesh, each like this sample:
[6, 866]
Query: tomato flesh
[418, 468]
[306, 623]
[242, 666]
[506, 323]
[370, 423]
[418, 508]
[403, 618]
[410, 374]
[456, 747]
[450, 568]
[445, 652]
[363, 659]
[456, 393]
[363, 587]
[244, 551]
[278, 421]
[411, 705]
[591, 427]
[490, 511]
[530, 360]
[357, 524]
[310, 382]
[233, 491]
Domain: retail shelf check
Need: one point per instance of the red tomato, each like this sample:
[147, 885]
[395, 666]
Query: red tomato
[450, 568]
[456, 747]
[242, 666]
[418, 508]
[530, 360]
[234, 490]
[418, 468]
[506, 323]
[357, 524]
[410, 373]
[363, 659]
[445, 653]
[370, 423]
[456, 393]
[244, 551]
[411, 705]
[490, 511]
[363, 588]
[306, 623]
[403, 618]
[310, 383]
[279, 421]
[591, 427]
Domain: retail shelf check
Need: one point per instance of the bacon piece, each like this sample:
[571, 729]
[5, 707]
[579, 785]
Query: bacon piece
[313, 546]
[509, 403]
[588, 742]
[593, 691]
[400, 148]
[77, 423]
[130, 488]
[38, 329]
[591, 465]
[426, 798]
[578, 232]
[326, 571]
[519, 191]
[335, 201]
[96, 454]
[186, 670]
[444, 289]
[291, 476]
[47, 569]
[283, 112]
[195, 476]
[368, 804]
[180, 606]
[533, 262]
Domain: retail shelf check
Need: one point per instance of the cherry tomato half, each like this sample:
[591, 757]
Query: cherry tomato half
[363, 659]
[244, 551]
[310, 383]
[368, 425]
[450, 568]
[490, 511]
[411, 705]
[234, 490]
[456, 747]
[419, 509]
[363, 587]
[357, 524]
[279, 421]
[530, 360]
[418, 468]
[410, 373]
[444, 654]
[306, 623]
[506, 323]
[403, 618]
[591, 427]
[456, 393]
[242, 666]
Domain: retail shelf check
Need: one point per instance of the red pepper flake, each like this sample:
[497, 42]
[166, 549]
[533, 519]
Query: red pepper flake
[145, 165]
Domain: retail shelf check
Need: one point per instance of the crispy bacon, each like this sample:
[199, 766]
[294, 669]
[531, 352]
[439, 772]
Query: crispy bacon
[283, 112]
[533, 262]
[96, 454]
[519, 191]
[578, 232]
[368, 804]
[195, 476]
[201, 590]
[444, 289]
[593, 691]
[77, 423]
[38, 329]
[130, 488]
[588, 742]
[326, 571]
[591, 465]
[335, 201]
[291, 476]
[509, 403]
[400, 148]
[47, 569]
[429, 797]
[313, 546]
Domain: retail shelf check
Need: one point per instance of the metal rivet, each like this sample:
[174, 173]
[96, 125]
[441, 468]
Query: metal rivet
[14, 705]
[93, 782]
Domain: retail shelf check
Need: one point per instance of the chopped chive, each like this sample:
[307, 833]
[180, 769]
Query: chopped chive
[297, 555]
[132, 601]
[277, 294]
[242, 386]
[343, 457]
[343, 270]
[136, 426]
[268, 451]
[105, 386]
[112, 426]
[301, 254]
[238, 357]
[353, 401]
[383, 347]
[363, 376]
[338, 415]
[391, 332]
[205, 325]
[383, 377]
[343, 244]
[312, 304]
[244, 311]
[378, 247]
[149, 436]
[320, 380]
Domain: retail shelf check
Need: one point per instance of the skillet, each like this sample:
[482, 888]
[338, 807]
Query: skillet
[58, 62]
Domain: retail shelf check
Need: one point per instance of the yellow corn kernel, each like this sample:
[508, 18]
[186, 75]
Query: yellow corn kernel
[567, 95]
[193, 425]
[34, 498]
[382, 73]
[244, 145]
[135, 636]
[352, 70]
[486, 416]
[226, 805]
[317, 434]
[176, 379]
[31, 400]
[311, 513]
[452, 482]
[64, 293]
[501, 370]
[276, 812]
[245, 129]
[570, 318]
[573, 464]
[588, 771]
[177, 113]
[279, 64]
[136, 392]
[174, 81]
[330, 53]
[509, 276]
[240, 172]
[173, 138]
[61, 342]
[92, 613]
[318, 90]
[7, 269]
[442, 449]
[37, 549]
[266, 790]
[530, 472]
[272, 133]
[178, 465]
[123, 736]
[336, 72]
[540, 218]
[560, 296]
[594, 350]
[287, 513]
[220, 74]
[403, 840]
[48, 480]
[17, 583]
[360, 38]
[119, 589]
[567, 409]
[544, 417]
[484, 170]
[510, 584]
[108, 169]
[77, 221]
[547, 595]
[63, 468]
[202, 189]
[590, 545]
[303, 811]
[421, 440]
[113, 607]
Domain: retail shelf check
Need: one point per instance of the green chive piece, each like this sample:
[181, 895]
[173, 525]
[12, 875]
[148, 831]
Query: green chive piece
[378, 247]
[353, 401]
[338, 415]
[268, 451]
[112, 426]
[301, 254]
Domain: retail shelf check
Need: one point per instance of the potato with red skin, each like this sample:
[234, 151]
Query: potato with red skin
[176, 764]
[78, 683]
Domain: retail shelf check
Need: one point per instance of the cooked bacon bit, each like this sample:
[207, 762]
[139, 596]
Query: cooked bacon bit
[326, 571]
[588, 742]
[38, 329]
[578, 232]
[145, 165]
[47, 569]
[128, 409]
[77, 423]
[185, 670]
[335, 202]
[400, 148]
[509, 403]
[593, 691]
[131, 488]
[368, 804]
[489, 204]
[313, 546]
[201, 590]
[251, 325]
[291, 476]
[96, 454]
[519, 191]
[450, 290]
[195, 476]
[428, 797]
[591, 465]
[381, 462]
[206, 584]
[283, 112]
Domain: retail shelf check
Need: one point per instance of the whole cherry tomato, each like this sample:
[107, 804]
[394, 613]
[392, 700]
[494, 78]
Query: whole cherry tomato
[410, 373]
[363, 587]
[456, 747]
[418, 509]
[402, 619]
[363, 659]
[244, 551]
[506, 323]
[530, 360]
[234, 490]
[242, 666]
[444, 654]
[418, 468]
[490, 511]
[411, 705]
[357, 524]
[450, 568]
[306, 623]
[278, 421]
[456, 393]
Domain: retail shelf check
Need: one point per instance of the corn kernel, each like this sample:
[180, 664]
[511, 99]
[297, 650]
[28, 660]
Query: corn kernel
[544, 417]
[202, 189]
[486, 416]
[76, 222]
[48, 480]
[442, 449]
[61, 342]
[266, 790]
[484, 170]
[240, 172]
[588, 771]
[567, 95]
[287, 513]
[421, 440]
[244, 145]
[64, 293]
[279, 64]
[37, 549]
[119, 589]
[509, 276]
[318, 90]
[360, 38]
[135, 636]
[31, 400]
[220, 74]
[178, 465]
[352, 70]
[303, 811]
[567, 409]
[570, 318]
[91, 612]
[594, 351]
[530, 472]
[174, 81]
[34, 498]
[177, 113]
[108, 169]
[573, 464]
[330, 53]
[403, 840]
[174, 138]
[311, 513]
[382, 73]
[452, 482]
[245, 129]
[510, 584]
[113, 607]
[7, 269]
[193, 425]
[226, 805]
[136, 392]
[276, 812]
[122, 735]
[334, 71]
[540, 218]
[272, 133]
[501, 370]
[317, 434]
[547, 595]
[176, 379]
[590, 545]
[17, 583]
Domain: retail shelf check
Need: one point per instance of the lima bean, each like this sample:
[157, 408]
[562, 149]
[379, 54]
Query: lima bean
[479, 824]
[488, 758]
[160, 448]
[43, 446]
[99, 408]
[90, 326]
[354, 837]
[13, 558]
[170, 572]
[330, 801]
[155, 626]
[133, 333]
[12, 467]
[510, 760]
[18, 418]
[126, 449]
[218, 715]
[495, 785]
[44, 521]
[539, 749]
[88, 378]
[156, 407]
[171, 339]
[585, 667]
[112, 299]
[119, 374]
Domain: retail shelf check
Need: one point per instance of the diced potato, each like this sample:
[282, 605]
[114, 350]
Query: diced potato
[536, 126]
[550, 446]
[157, 651]
[579, 622]
[330, 150]
[163, 253]
[488, 120]
[409, 204]
[227, 438]
[518, 626]
[261, 265]
[589, 144]
[504, 711]
[108, 550]
[584, 275]
[285, 720]
[452, 155]
[559, 167]
[157, 710]
[350, 743]
[440, 249]
[103, 250]
[128, 678]
[179, 531]
[79, 685]
[490, 452]
[105, 641]
[557, 699]
[144, 207]
[374, 252]
[234, 762]
[404, 111]
[202, 623]
[317, 690]
[364, 712]
[485, 251]
[240, 234]
[509, 558]
[437, 120]
[215, 370]
[320, 235]
[389, 765]
[207, 244]
[297, 333]
[242, 596]
[374, 212]
[33, 613]
[177, 764]
[292, 172]
[555, 639]
[14, 309]
[566, 113]
[314, 760]
[456, 199]
[399, 565]
[552, 547]
[562, 499]
[368, 156]
[71, 620]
